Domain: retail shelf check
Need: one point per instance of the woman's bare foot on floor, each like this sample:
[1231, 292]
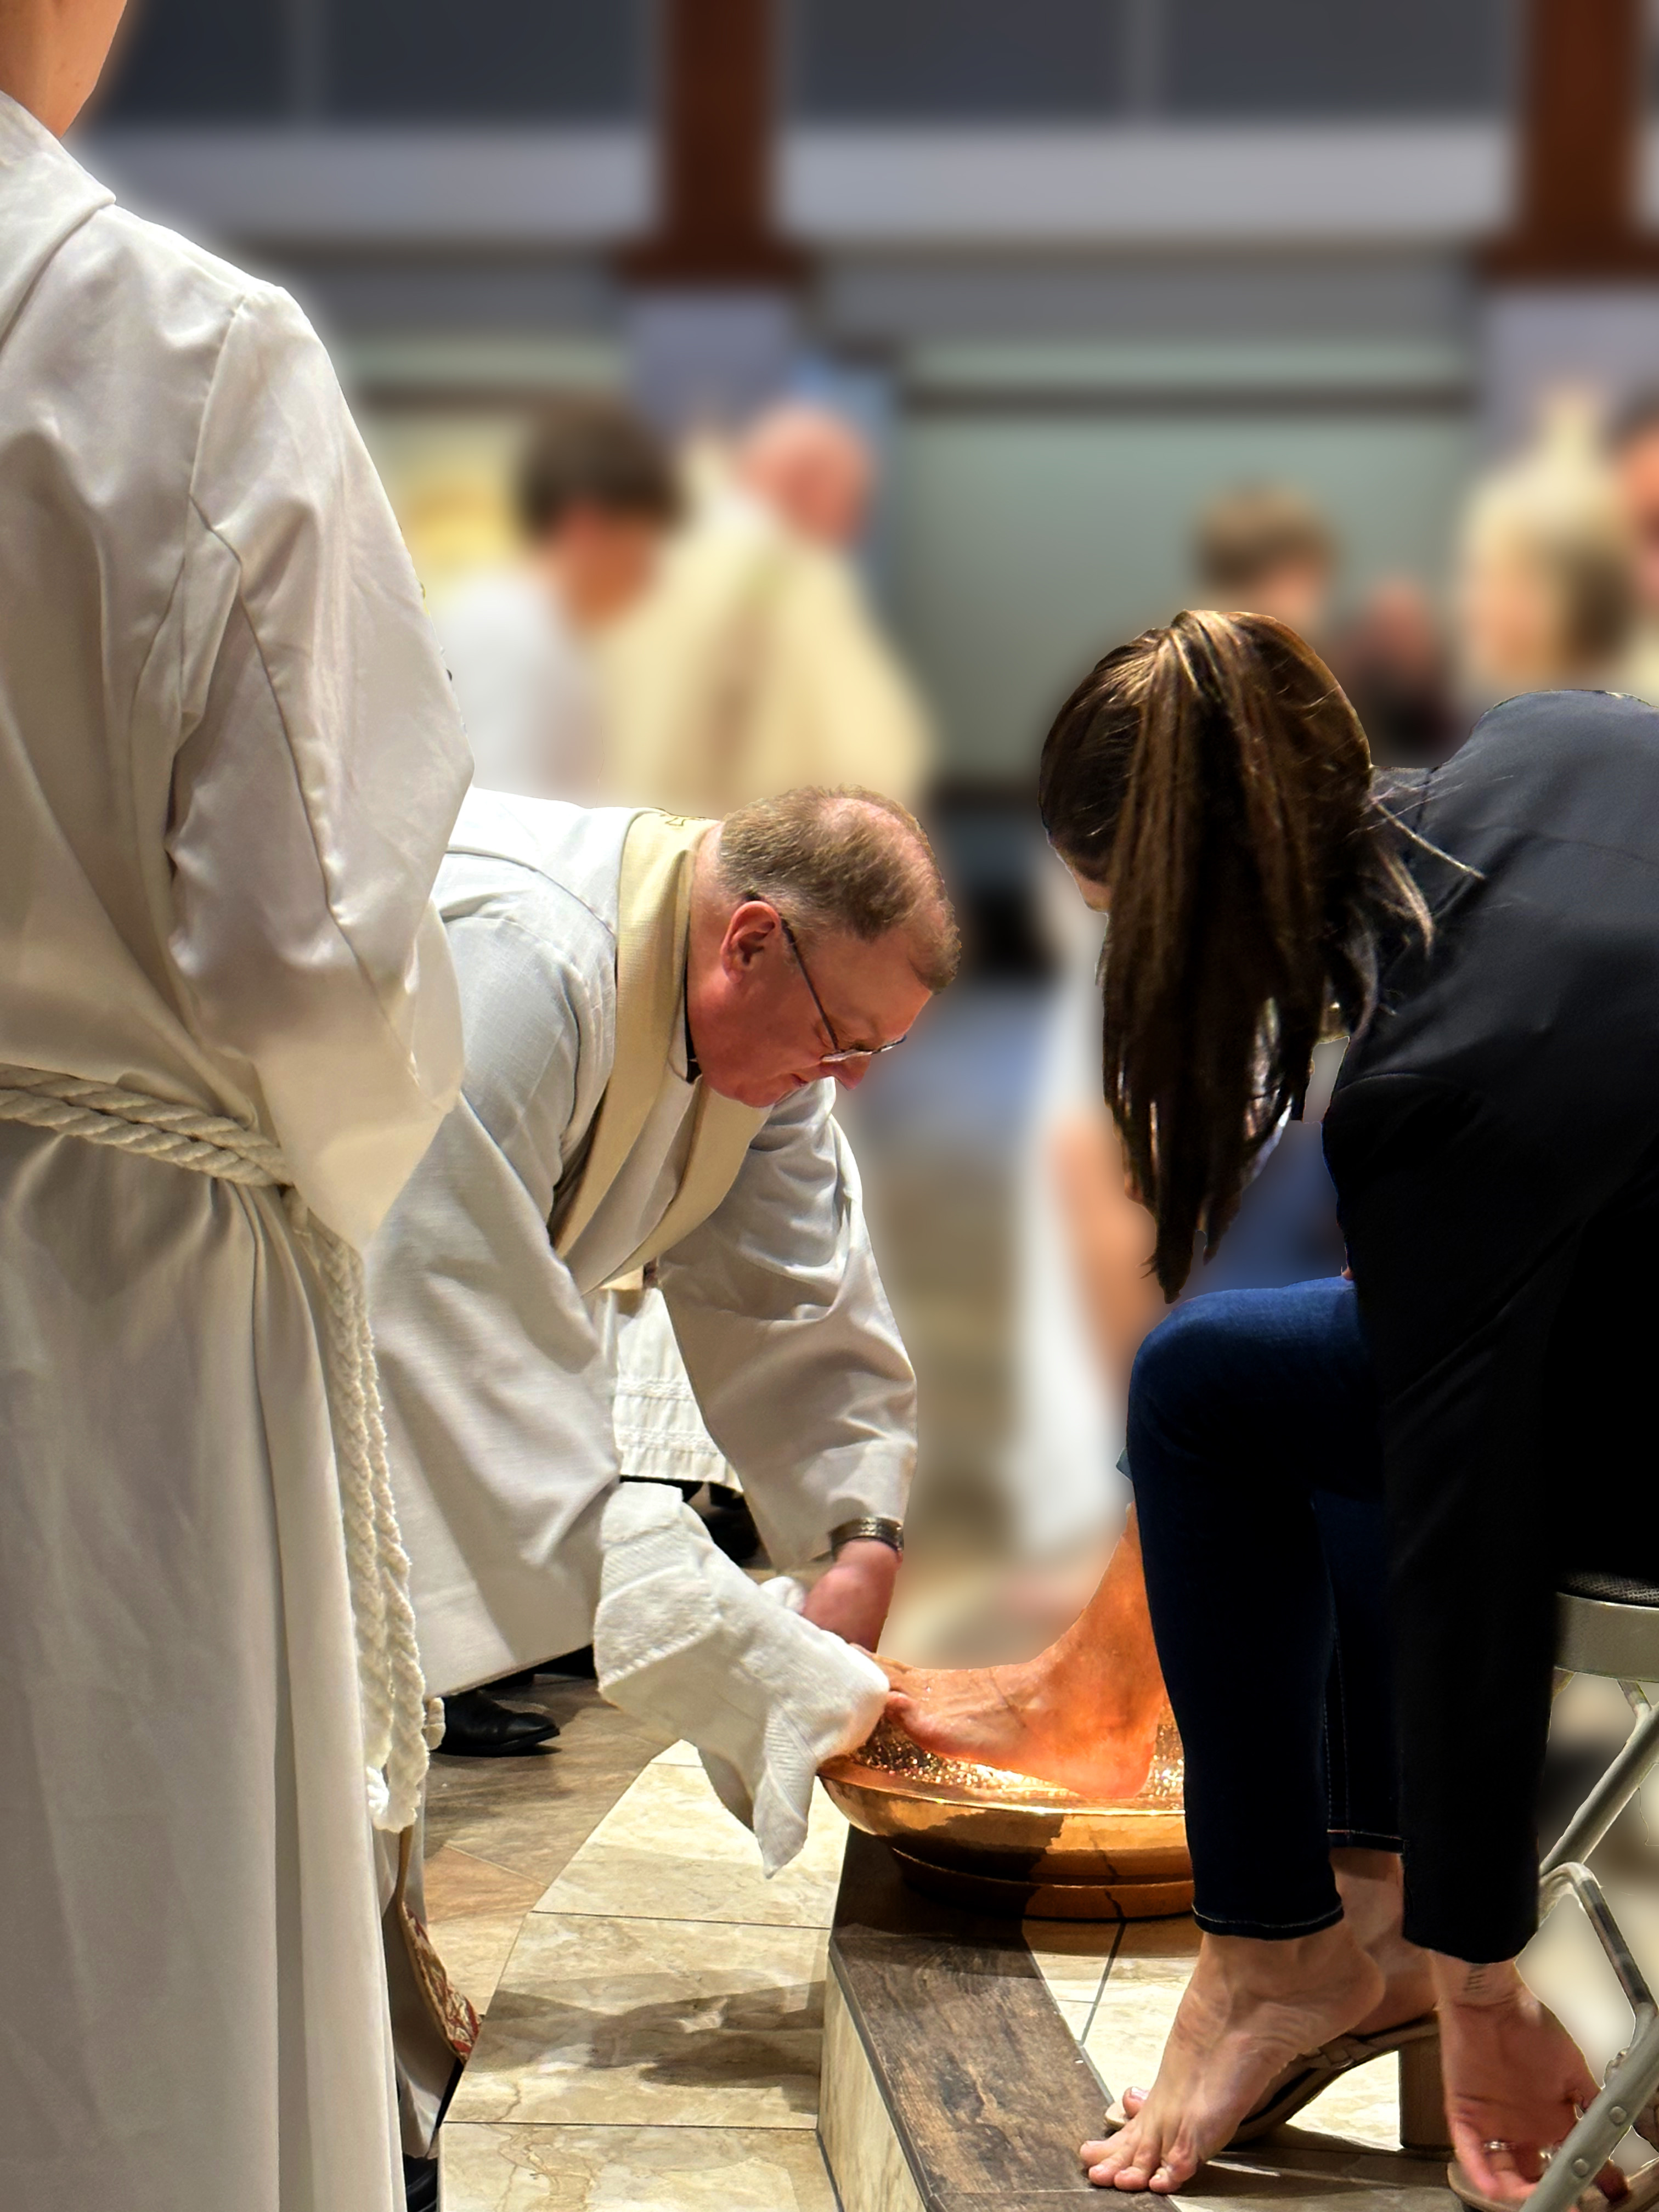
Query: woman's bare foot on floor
[1250, 2008]
[1372, 1890]
[1083, 1714]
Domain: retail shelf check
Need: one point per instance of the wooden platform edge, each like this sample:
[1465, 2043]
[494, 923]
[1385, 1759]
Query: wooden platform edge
[975, 2071]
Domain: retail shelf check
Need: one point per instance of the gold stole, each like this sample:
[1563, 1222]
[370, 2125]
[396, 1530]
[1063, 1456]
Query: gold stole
[653, 916]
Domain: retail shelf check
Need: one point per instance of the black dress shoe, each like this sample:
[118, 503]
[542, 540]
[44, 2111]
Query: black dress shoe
[421, 2184]
[476, 1727]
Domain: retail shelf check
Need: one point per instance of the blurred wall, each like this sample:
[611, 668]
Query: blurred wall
[1097, 258]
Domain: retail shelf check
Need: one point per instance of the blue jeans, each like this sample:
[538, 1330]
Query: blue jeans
[1254, 1450]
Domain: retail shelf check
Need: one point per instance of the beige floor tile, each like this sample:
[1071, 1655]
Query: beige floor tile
[1131, 2021]
[633, 2169]
[1071, 1956]
[670, 1851]
[679, 1754]
[1363, 2107]
[474, 1912]
[459, 1886]
[674, 2023]
[529, 1815]
[475, 1953]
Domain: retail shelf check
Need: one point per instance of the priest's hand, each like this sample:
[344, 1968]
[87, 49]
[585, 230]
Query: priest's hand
[851, 1598]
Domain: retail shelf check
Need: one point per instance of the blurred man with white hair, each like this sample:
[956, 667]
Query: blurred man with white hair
[757, 665]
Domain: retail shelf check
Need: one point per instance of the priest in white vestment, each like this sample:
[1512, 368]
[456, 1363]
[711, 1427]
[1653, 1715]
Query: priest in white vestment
[229, 763]
[756, 664]
[651, 1008]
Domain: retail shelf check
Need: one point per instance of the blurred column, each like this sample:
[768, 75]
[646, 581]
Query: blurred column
[713, 290]
[1573, 287]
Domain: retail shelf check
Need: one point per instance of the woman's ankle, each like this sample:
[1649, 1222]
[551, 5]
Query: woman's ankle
[1295, 1965]
[1486, 1987]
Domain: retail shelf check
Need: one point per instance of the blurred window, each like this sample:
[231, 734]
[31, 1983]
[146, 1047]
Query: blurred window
[431, 59]
[1311, 57]
[867, 60]
[198, 61]
[1004, 60]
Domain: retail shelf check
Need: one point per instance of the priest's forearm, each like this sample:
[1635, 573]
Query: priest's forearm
[851, 1597]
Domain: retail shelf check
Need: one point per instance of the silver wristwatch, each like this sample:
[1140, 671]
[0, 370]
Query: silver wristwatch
[868, 1528]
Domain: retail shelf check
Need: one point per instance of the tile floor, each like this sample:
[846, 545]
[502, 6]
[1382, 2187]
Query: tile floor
[499, 1830]
[654, 2020]
[655, 2008]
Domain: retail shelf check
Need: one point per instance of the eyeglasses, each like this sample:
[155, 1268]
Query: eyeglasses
[841, 1054]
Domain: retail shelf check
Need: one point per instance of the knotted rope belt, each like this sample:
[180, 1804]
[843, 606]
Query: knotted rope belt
[390, 1685]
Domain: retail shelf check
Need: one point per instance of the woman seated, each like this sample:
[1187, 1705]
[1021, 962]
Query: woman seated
[1489, 931]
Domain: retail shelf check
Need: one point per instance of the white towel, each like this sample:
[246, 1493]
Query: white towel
[685, 1640]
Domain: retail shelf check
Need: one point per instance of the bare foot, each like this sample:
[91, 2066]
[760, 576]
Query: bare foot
[1372, 1887]
[1515, 2078]
[1250, 2008]
[1083, 1714]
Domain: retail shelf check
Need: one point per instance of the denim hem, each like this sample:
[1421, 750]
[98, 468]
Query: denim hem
[1364, 1839]
[1285, 1932]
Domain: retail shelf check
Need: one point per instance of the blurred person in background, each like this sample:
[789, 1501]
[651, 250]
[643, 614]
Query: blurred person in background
[1392, 660]
[1633, 445]
[229, 760]
[756, 665]
[594, 496]
[1266, 549]
[1548, 583]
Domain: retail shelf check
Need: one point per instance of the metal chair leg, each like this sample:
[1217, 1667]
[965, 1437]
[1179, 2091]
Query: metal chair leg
[1628, 2091]
[1634, 2078]
[1610, 1795]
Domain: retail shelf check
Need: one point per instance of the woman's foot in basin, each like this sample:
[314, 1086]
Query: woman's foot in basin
[1250, 2008]
[1084, 1713]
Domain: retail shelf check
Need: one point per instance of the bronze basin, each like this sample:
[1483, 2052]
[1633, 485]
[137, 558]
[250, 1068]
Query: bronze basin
[1005, 1843]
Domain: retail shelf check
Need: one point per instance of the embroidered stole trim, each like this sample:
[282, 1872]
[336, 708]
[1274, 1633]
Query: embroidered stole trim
[653, 928]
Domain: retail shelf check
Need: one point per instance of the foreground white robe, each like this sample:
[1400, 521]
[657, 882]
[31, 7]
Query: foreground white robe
[228, 761]
[496, 1355]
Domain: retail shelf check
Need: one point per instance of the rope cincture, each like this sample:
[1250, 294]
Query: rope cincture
[397, 1725]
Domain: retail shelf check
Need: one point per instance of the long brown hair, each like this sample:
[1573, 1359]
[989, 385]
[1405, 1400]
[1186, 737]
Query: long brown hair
[1213, 780]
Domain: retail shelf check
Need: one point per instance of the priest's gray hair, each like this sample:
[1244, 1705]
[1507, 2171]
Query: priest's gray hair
[846, 862]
